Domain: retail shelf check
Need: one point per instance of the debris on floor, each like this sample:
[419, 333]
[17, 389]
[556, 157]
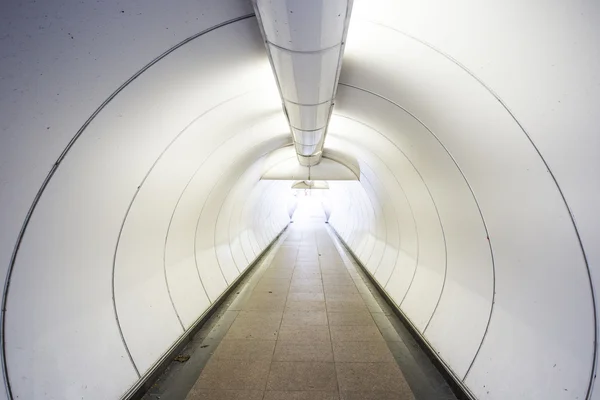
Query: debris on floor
[182, 358]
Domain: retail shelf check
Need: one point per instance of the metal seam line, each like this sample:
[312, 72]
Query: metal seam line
[414, 220]
[367, 224]
[365, 227]
[125, 220]
[177, 204]
[228, 230]
[339, 44]
[51, 174]
[394, 208]
[244, 215]
[308, 105]
[262, 216]
[254, 239]
[359, 216]
[370, 183]
[181, 196]
[236, 210]
[223, 203]
[241, 217]
[402, 189]
[474, 198]
[307, 130]
[201, 213]
[379, 207]
[352, 206]
[355, 207]
[584, 254]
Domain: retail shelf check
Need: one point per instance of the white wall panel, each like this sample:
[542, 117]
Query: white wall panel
[88, 199]
[469, 266]
[456, 214]
[60, 61]
[507, 178]
[236, 231]
[141, 302]
[442, 95]
[377, 233]
[248, 216]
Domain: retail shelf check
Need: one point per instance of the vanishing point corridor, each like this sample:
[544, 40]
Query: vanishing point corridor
[306, 326]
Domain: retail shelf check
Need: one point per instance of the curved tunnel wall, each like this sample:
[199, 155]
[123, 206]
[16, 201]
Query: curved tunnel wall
[154, 211]
[159, 203]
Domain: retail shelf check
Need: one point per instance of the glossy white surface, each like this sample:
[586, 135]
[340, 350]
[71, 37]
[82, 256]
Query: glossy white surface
[159, 163]
[282, 164]
[455, 211]
[539, 273]
[305, 44]
[307, 25]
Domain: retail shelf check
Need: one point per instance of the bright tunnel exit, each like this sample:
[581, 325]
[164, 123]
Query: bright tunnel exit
[147, 164]
[311, 205]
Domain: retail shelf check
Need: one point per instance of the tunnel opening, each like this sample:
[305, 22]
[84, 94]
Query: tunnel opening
[145, 171]
[312, 204]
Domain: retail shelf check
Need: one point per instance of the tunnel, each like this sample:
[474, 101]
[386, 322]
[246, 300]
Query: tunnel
[146, 168]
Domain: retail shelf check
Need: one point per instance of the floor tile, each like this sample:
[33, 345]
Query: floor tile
[273, 286]
[331, 258]
[283, 263]
[204, 394]
[340, 289]
[371, 377]
[350, 318]
[361, 333]
[245, 350]
[291, 350]
[376, 351]
[302, 376]
[306, 289]
[304, 318]
[259, 316]
[300, 296]
[333, 269]
[273, 304]
[313, 281]
[335, 263]
[258, 296]
[233, 374]
[307, 262]
[344, 297]
[377, 396]
[283, 266]
[284, 280]
[278, 274]
[335, 272]
[337, 278]
[346, 306]
[298, 274]
[305, 333]
[301, 395]
[253, 330]
[304, 329]
[305, 305]
[338, 281]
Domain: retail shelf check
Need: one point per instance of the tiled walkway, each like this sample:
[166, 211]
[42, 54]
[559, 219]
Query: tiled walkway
[305, 324]
[304, 331]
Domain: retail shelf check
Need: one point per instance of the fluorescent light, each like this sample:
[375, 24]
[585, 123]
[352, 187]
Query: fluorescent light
[305, 42]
